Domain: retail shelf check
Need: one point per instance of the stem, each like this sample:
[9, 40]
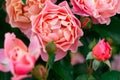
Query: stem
[47, 69]
[90, 70]
[49, 64]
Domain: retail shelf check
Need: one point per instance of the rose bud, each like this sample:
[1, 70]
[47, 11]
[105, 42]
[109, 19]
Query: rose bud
[101, 51]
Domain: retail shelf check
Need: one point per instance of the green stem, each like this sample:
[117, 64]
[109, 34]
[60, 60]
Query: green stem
[49, 64]
[90, 70]
[47, 69]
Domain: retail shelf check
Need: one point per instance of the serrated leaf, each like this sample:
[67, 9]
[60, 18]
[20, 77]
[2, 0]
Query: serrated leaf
[96, 64]
[89, 56]
[108, 63]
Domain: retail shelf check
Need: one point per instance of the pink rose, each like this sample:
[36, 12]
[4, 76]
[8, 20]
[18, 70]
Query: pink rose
[76, 58]
[19, 14]
[57, 23]
[101, 51]
[54, 1]
[115, 64]
[20, 58]
[99, 10]
[4, 63]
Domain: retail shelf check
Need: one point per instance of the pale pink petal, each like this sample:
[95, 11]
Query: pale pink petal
[54, 1]
[73, 47]
[4, 63]
[34, 47]
[11, 41]
[59, 55]
[76, 58]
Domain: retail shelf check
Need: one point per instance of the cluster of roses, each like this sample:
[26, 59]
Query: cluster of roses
[43, 21]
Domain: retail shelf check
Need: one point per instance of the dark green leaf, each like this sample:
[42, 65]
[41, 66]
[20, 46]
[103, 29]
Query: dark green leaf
[24, 1]
[92, 44]
[111, 31]
[64, 69]
[85, 77]
[5, 76]
[80, 69]
[111, 75]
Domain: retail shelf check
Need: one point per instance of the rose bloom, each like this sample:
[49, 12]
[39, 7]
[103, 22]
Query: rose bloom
[19, 13]
[18, 57]
[57, 23]
[99, 10]
[76, 58]
[115, 64]
[101, 51]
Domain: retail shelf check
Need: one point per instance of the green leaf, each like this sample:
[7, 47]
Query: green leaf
[89, 56]
[80, 69]
[96, 64]
[108, 63]
[111, 75]
[24, 1]
[92, 44]
[64, 69]
[112, 31]
[85, 77]
[5, 76]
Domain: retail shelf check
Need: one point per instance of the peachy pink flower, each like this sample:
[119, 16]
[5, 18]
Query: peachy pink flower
[19, 58]
[101, 51]
[57, 23]
[19, 13]
[99, 10]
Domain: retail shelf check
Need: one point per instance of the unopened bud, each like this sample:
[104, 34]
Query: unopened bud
[51, 48]
[86, 22]
[39, 72]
